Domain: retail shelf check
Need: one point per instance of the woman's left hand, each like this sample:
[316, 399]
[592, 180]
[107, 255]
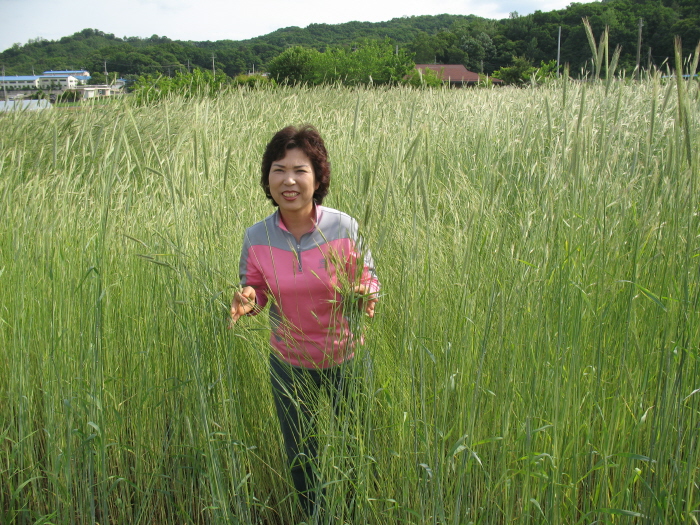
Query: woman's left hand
[243, 303]
[368, 299]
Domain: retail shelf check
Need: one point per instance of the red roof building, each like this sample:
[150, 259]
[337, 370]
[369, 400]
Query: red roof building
[455, 74]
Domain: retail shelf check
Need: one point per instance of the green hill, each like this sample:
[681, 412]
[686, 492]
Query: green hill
[478, 43]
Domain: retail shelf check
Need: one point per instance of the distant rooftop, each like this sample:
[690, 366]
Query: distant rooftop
[451, 72]
[18, 77]
[67, 72]
[31, 78]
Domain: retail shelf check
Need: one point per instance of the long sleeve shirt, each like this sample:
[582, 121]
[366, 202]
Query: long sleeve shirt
[304, 282]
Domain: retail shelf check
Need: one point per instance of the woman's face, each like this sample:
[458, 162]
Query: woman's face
[292, 183]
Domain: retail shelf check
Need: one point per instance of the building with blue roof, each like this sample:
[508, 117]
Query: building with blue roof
[19, 82]
[52, 80]
[80, 74]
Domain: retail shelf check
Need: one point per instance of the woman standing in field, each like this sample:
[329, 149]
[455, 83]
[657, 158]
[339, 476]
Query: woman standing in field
[301, 259]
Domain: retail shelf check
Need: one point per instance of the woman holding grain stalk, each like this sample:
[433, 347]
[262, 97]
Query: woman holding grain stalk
[307, 261]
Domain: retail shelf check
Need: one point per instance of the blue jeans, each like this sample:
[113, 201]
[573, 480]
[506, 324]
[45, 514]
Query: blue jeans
[296, 392]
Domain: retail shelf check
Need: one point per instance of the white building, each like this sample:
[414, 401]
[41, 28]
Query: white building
[58, 82]
[80, 75]
[53, 82]
[18, 82]
[97, 91]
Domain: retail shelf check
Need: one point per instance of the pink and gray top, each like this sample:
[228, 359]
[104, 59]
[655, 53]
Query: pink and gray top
[304, 281]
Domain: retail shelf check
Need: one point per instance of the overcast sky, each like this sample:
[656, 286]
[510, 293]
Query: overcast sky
[224, 19]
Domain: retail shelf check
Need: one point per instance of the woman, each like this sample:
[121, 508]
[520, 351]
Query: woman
[301, 259]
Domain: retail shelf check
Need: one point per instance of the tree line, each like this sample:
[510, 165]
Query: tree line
[480, 44]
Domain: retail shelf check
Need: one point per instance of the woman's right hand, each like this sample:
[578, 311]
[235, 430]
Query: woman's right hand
[243, 303]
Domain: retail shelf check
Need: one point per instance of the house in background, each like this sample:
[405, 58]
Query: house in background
[18, 82]
[58, 82]
[98, 91]
[48, 80]
[456, 74]
[81, 76]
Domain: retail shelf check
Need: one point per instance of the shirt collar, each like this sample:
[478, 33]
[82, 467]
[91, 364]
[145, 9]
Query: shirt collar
[318, 212]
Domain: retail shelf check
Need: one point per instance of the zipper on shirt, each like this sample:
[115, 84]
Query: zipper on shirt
[299, 257]
[296, 245]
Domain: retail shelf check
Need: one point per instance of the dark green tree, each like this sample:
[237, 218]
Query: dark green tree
[199, 83]
[480, 52]
[296, 65]
[517, 74]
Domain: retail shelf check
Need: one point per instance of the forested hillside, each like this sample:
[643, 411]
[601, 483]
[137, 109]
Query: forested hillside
[480, 44]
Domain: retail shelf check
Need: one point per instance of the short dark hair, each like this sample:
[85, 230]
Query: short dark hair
[308, 140]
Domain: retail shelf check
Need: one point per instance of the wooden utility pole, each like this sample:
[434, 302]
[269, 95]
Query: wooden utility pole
[639, 46]
[4, 90]
[558, 50]
[213, 66]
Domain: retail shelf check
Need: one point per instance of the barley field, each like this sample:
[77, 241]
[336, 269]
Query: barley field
[535, 353]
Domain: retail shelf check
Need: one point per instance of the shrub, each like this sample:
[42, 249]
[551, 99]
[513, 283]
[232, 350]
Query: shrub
[423, 79]
[254, 81]
[70, 95]
[198, 83]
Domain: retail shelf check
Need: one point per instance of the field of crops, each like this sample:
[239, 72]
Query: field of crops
[536, 352]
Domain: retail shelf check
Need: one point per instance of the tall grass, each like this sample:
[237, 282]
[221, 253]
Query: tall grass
[535, 353]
